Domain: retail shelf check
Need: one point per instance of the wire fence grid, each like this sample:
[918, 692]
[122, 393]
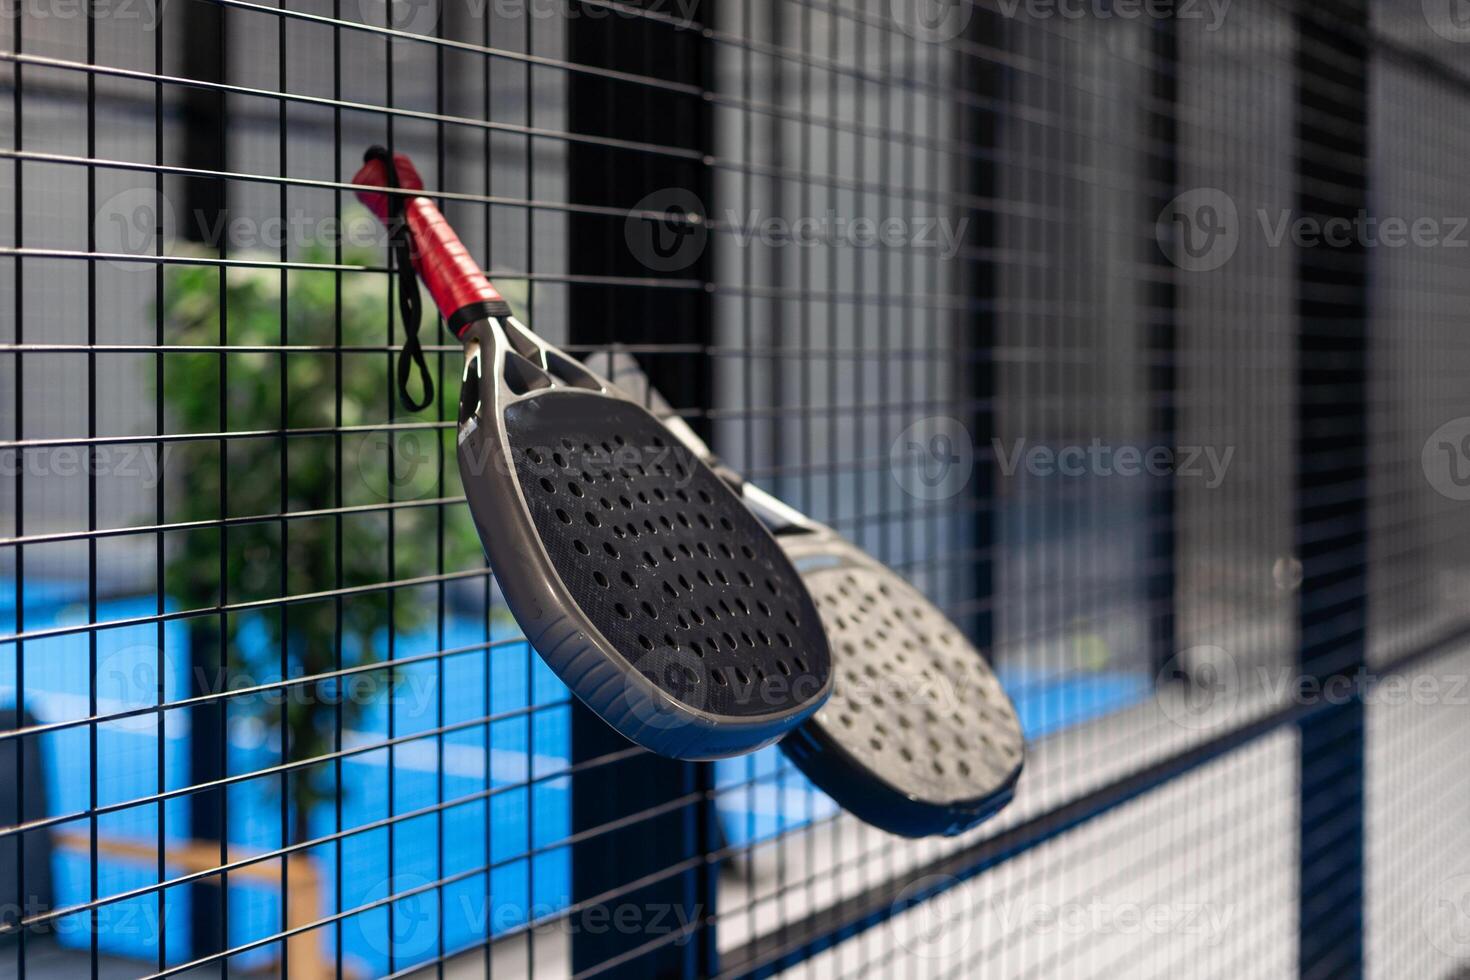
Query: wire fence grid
[1133, 335]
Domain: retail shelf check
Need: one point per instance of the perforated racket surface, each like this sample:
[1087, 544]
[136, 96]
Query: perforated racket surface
[919, 737]
[636, 573]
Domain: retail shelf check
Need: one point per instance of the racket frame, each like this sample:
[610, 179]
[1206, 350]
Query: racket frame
[499, 348]
[825, 760]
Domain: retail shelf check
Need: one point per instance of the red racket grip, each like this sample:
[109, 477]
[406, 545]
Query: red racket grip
[459, 288]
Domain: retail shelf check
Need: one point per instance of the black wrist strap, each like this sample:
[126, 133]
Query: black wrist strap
[410, 303]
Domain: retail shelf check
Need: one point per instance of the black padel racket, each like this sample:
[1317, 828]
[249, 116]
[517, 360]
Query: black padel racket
[919, 737]
[636, 573]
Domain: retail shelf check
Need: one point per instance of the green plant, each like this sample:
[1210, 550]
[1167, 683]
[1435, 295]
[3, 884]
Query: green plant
[294, 463]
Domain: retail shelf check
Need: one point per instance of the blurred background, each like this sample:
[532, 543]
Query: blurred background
[1133, 333]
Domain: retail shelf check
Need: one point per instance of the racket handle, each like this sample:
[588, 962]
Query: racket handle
[459, 288]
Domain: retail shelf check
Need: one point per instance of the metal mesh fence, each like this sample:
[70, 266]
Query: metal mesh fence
[1131, 334]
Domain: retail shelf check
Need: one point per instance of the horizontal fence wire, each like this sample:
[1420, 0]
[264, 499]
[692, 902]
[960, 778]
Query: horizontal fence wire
[266, 709]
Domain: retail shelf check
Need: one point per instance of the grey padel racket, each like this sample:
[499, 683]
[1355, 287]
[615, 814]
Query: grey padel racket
[636, 573]
[919, 737]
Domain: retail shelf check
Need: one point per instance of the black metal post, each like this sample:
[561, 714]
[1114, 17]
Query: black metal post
[201, 34]
[201, 30]
[1162, 346]
[1332, 65]
[979, 124]
[673, 308]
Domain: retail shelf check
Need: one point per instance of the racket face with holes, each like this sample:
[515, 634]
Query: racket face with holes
[634, 570]
[918, 738]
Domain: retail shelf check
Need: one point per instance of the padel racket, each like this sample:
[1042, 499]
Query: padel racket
[635, 572]
[919, 737]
